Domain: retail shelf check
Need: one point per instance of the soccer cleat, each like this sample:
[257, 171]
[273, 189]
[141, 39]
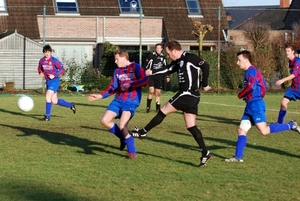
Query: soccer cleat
[295, 127]
[234, 159]
[131, 155]
[122, 145]
[73, 108]
[205, 159]
[45, 118]
[148, 109]
[138, 133]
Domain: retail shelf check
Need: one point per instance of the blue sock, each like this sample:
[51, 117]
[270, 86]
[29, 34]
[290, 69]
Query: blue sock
[64, 103]
[48, 109]
[240, 146]
[130, 145]
[281, 116]
[275, 128]
[116, 130]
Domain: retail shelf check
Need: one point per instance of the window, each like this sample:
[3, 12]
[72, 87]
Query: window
[129, 6]
[66, 6]
[193, 7]
[3, 8]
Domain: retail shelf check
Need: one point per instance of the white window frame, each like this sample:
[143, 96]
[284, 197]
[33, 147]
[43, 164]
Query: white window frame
[134, 11]
[193, 8]
[57, 11]
[3, 7]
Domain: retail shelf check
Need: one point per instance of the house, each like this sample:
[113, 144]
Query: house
[280, 19]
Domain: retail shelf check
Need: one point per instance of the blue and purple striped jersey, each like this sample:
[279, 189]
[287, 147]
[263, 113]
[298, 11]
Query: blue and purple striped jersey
[294, 66]
[255, 86]
[51, 66]
[132, 74]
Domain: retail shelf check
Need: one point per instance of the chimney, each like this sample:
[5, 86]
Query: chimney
[284, 3]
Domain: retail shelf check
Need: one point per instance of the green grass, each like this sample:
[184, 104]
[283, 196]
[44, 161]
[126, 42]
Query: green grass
[74, 158]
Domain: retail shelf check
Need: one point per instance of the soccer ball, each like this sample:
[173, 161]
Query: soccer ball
[25, 103]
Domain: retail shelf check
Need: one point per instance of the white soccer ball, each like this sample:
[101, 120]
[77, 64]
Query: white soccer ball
[25, 103]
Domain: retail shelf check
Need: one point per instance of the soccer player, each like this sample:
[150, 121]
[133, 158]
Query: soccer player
[51, 69]
[192, 73]
[293, 92]
[127, 82]
[156, 62]
[255, 111]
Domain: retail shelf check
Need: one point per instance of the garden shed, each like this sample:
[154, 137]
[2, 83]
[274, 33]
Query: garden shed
[19, 57]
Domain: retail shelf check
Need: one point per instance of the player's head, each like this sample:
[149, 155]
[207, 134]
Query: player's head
[173, 49]
[121, 58]
[289, 51]
[158, 48]
[244, 59]
[47, 48]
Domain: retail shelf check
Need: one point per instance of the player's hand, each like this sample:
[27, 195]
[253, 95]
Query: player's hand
[148, 72]
[125, 86]
[51, 76]
[207, 88]
[42, 75]
[93, 97]
[279, 82]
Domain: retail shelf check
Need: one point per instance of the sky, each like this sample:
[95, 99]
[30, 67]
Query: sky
[250, 3]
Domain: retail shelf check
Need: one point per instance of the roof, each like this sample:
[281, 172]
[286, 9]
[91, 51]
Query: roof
[293, 15]
[176, 21]
[240, 15]
[272, 17]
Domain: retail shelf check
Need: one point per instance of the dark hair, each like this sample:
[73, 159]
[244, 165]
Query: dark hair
[122, 53]
[289, 46]
[47, 48]
[159, 44]
[246, 54]
[173, 45]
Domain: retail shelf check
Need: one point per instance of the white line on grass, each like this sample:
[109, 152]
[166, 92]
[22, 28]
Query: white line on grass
[222, 104]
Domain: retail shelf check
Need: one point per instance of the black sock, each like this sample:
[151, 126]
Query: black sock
[157, 106]
[199, 139]
[148, 102]
[159, 117]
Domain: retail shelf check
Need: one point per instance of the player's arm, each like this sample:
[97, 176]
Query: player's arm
[142, 79]
[41, 70]
[59, 68]
[248, 87]
[111, 88]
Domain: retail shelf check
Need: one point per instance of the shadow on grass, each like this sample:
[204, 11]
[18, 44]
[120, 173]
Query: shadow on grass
[14, 189]
[87, 146]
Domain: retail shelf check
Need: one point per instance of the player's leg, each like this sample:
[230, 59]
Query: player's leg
[48, 106]
[158, 85]
[128, 139]
[110, 114]
[288, 96]
[150, 93]
[157, 99]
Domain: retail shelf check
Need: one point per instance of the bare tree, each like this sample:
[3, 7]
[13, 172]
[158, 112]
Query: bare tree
[257, 34]
[201, 31]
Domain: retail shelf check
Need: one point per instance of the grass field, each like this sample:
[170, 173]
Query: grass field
[74, 158]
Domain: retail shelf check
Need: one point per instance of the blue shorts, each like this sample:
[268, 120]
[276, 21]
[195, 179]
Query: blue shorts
[291, 94]
[255, 112]
[53, 84]
[118, 107]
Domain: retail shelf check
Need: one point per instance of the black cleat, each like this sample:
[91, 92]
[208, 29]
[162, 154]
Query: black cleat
[138, 133]
[148, 109]
[205, 159]
[45, 118]
[122, 145]
[73, 108]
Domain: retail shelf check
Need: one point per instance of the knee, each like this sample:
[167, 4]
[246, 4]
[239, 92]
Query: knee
[104, 122]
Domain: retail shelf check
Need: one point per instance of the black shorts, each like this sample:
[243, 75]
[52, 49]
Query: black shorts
[156, 81]
[186, 101]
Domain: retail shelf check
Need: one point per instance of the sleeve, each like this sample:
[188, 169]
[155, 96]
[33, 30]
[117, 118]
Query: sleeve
[111, 88]
[148, 62]
[205, 72]
[248, 86]
[142, 79]
[59, 68]
[40, 68]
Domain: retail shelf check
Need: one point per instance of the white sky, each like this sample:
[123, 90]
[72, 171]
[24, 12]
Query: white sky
[250, 2]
